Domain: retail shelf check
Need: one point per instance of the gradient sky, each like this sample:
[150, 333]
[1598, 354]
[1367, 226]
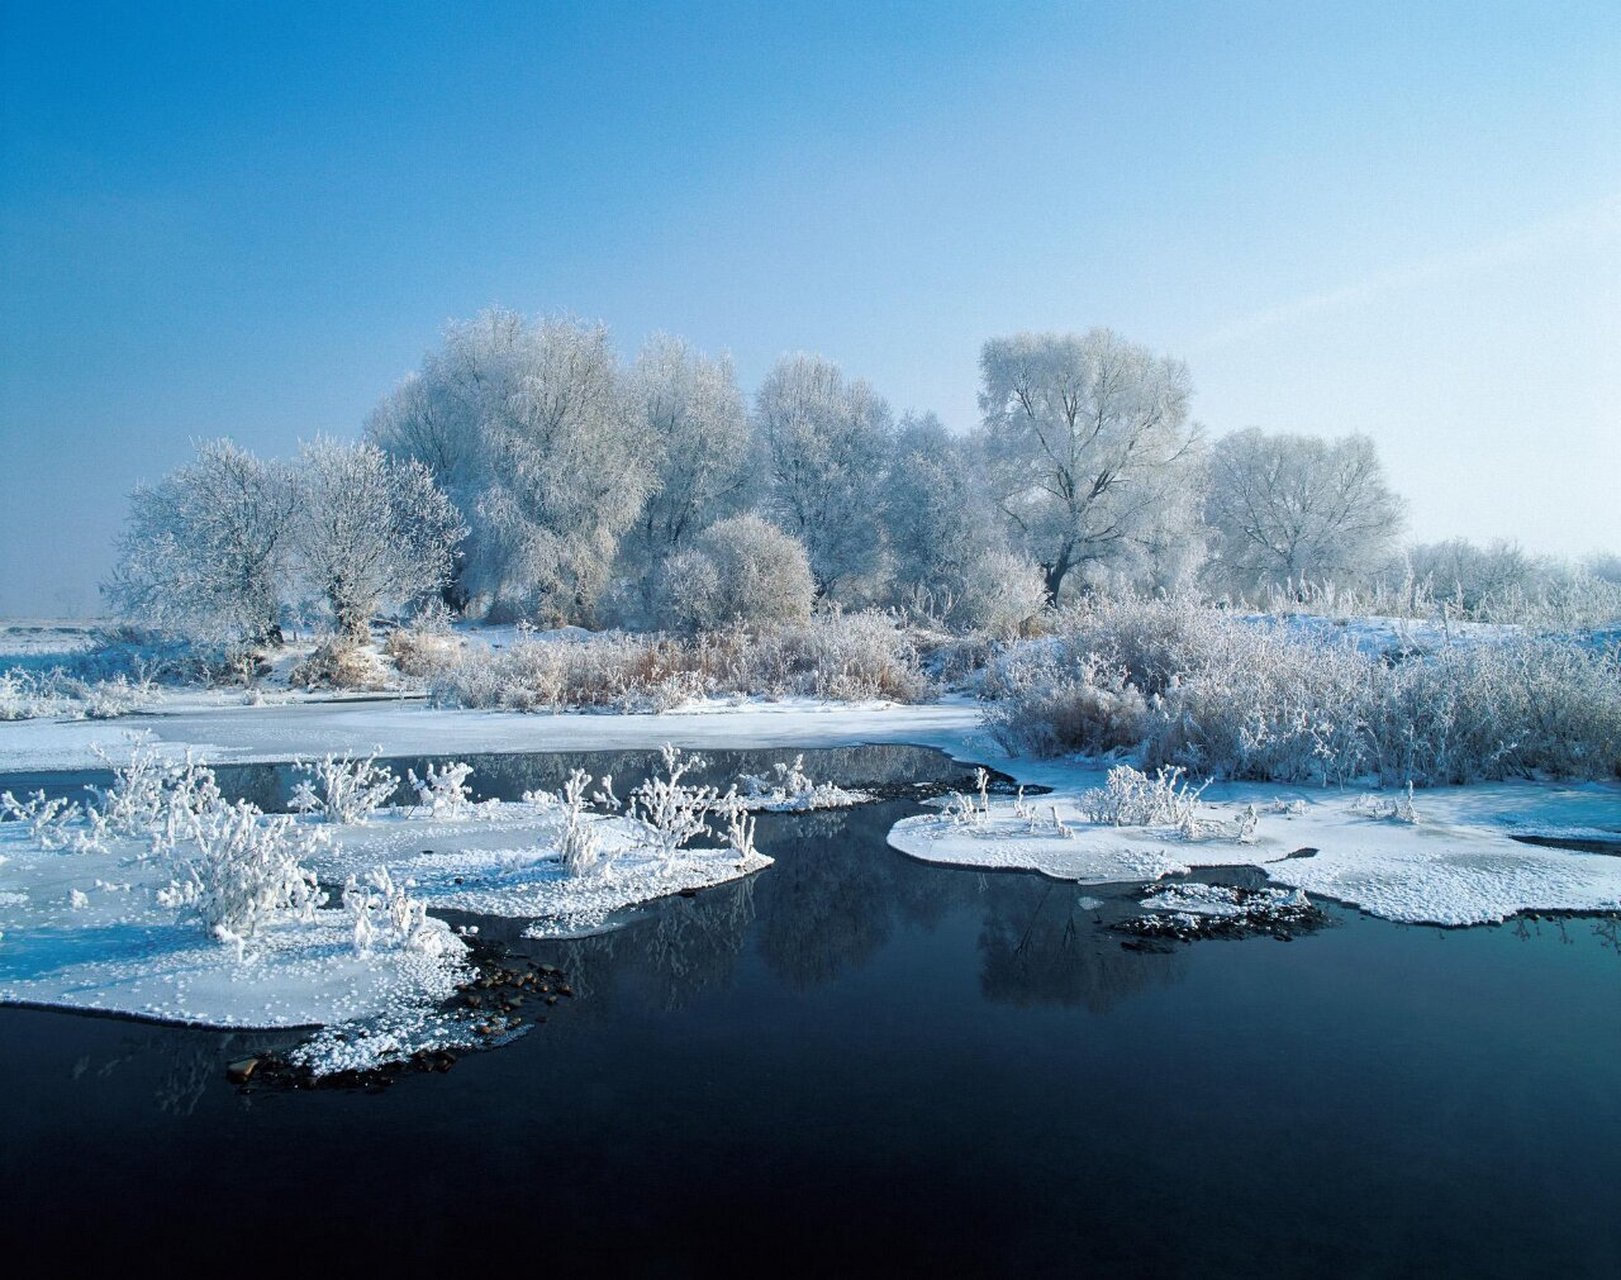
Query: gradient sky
[251, 220]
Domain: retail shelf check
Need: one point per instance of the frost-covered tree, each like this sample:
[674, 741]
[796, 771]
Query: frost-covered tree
[741, 570]
[526, 424]
[824, 443]
[206, 551]
[697, 443]
[948, 553]
[1090, 448]
[372, 530]
[1292, 508]
[1461, 573]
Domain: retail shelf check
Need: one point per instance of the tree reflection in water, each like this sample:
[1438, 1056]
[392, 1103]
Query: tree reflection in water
[836, 897]
[1049, 946]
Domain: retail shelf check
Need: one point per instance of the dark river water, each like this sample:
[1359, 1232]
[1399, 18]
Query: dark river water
[854, 1063]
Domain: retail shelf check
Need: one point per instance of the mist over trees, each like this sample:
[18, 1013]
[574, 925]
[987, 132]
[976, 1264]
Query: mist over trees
[524, 472]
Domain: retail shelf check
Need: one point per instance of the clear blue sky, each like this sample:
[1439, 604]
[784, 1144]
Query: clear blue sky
[252, 219]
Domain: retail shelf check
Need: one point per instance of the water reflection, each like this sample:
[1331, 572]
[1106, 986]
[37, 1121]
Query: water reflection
[1049, 946]
[837, 899]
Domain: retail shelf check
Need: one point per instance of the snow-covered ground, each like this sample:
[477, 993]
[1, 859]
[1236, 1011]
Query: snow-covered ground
[158, 899]
[231, 732]
[1457, 864]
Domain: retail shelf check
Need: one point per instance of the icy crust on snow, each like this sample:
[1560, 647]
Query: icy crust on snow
[1458, 864]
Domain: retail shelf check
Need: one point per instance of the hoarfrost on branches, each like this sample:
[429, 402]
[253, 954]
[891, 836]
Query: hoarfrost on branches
[386, 916]
[1091, 449]
[344, 789]
[1291, 509]
[373, 530]
[207, 551]
[671, 811]
[824, 443]
[241, 869]
[443, 789]
[1133, 799]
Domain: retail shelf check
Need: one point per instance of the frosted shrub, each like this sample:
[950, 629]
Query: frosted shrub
[788, 786]
[241, 870]
[1055, 706]
[386, 916]
[344, 789]
[1387, 808]
[1520, 707]
[443, 790]
[1264, 705]
[32, 695]
[580, 848]
[742, 570]
[423, 648]
[739, 829]
[53, 824]
[787, 782]
[671, 811]
[1133, 799]
[846, 657]
[1248, 698]
[155, 798]
[338, 663]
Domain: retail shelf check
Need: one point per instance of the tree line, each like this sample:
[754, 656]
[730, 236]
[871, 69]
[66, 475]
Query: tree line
[524, 471]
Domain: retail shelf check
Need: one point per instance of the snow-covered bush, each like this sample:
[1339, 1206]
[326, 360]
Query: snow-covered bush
[344, 789]
[156, 798]
[789, 788]
[38, 695]
[386, 916]
[580, 847]
[739, 829]
[1224, 695]
[670, 810]
[423, 648]
[1050, 707]
[240, 870]
[338, 663]
[1398, 808]
[443, 790]
[740, 571]
[52, 823]
[848, 657]
[1133, 799]
[845, 657]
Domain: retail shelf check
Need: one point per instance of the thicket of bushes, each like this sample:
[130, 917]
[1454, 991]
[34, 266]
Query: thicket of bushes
[848, 657]
[1184, 684]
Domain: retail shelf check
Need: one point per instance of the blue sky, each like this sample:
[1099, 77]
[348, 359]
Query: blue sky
[251, 220]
